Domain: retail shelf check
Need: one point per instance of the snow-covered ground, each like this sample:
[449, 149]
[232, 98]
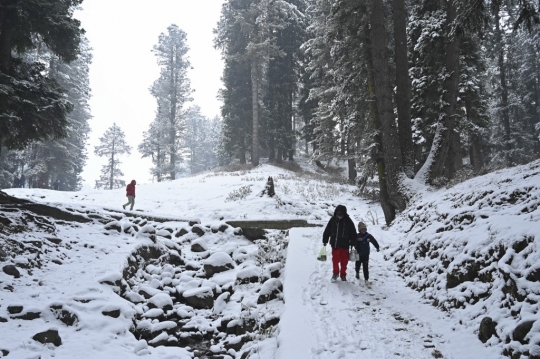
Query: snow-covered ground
[71, 274]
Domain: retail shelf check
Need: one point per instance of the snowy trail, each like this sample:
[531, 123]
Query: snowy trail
[349, 320]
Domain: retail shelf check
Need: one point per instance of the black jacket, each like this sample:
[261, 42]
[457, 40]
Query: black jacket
[362, 243]
[343, 230]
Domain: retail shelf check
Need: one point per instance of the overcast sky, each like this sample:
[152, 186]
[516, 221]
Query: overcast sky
[122, 34]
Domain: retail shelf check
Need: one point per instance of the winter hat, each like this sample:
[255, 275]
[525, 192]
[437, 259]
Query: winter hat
[361, 226]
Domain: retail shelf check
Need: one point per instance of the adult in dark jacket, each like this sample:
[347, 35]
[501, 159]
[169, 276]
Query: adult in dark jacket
[341, 233]
[363, 239]
[130, 194]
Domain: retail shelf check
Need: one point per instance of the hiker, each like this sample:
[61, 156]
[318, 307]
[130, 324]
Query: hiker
[130, 194]
[342, 234]
[363, 239]
[56, 185]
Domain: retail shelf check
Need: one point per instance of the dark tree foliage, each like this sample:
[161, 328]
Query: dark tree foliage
[32, 105]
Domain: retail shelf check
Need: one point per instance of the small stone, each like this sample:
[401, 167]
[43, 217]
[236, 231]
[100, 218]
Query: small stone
[115, 313]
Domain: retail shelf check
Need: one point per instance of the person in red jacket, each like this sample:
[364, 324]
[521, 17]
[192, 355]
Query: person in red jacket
[130, 194]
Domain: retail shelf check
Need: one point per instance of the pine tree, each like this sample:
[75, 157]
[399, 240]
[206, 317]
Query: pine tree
[112, 145]
[33, 105]
[172, 92]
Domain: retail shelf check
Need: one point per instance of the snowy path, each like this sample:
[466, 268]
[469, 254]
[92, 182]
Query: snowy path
[324, 320]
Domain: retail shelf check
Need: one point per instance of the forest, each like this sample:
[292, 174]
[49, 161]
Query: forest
[431, 91]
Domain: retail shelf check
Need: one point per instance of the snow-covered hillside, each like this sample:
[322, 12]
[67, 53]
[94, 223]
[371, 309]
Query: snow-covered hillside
[172, 279]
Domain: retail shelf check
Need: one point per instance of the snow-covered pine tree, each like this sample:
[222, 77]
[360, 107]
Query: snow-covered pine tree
[112, 145]
[43, 162]
[172, 91]
[202, 141]
[33, 105]
[287, 22]
[236, 93]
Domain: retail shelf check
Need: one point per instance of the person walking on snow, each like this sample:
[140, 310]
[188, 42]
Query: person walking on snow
[341, 232]
[363, 239]
[130, 194]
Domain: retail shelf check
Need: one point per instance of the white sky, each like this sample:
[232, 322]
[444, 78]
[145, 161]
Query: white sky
[122, 34]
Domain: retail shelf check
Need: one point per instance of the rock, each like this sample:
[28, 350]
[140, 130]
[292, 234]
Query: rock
[54, 240]
[114, 226]
[199, 246]
[134, 297]
[193, 222]
[64, 315]
[249, 274]
[200, 298]
[114, 313]
[217, 263]
[15, 309]
[487, 329]
[4, 352]
[198, 229]
[161, 301]
[30, 315]
[240, 326]
[3, 320]
[223, 228]
[175, 259]
[181, 232]
[11, 270]
[522, 330]
[3, 255]
[49, 336]
[236, 343]
[271, 289]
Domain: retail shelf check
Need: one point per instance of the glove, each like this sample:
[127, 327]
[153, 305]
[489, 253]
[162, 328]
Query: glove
[324, 243]
[377, 249]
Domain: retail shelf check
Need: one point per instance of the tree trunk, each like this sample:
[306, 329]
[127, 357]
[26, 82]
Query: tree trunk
[403, 87]
[536, 118]
[271, 149]
[504, 90]
[475, 150]
[387, 207]
[5, 41]
[242, 151]
[255, 106]
[437, 164]
[393, 165]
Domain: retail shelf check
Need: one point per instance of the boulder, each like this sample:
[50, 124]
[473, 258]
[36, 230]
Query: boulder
[200, 298]
[522, 330]
[487, 329]
[271, 289]
[199, 245]
[199, 230]
[11, 270]
[48, 336]
[15, 309]
[114, 313]
[64, 315]
[161, 301]
[217, 263]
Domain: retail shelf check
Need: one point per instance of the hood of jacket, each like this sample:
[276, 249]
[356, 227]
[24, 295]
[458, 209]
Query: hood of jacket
[340, 208]
[133, 182]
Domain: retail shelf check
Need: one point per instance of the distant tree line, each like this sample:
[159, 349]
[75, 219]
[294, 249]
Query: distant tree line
[44, 93]
[428, 89]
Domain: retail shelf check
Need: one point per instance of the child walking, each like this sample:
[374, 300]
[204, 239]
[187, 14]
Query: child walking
[363, 239]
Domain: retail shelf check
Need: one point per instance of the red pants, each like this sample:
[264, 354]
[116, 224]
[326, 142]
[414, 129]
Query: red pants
[340, 256]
